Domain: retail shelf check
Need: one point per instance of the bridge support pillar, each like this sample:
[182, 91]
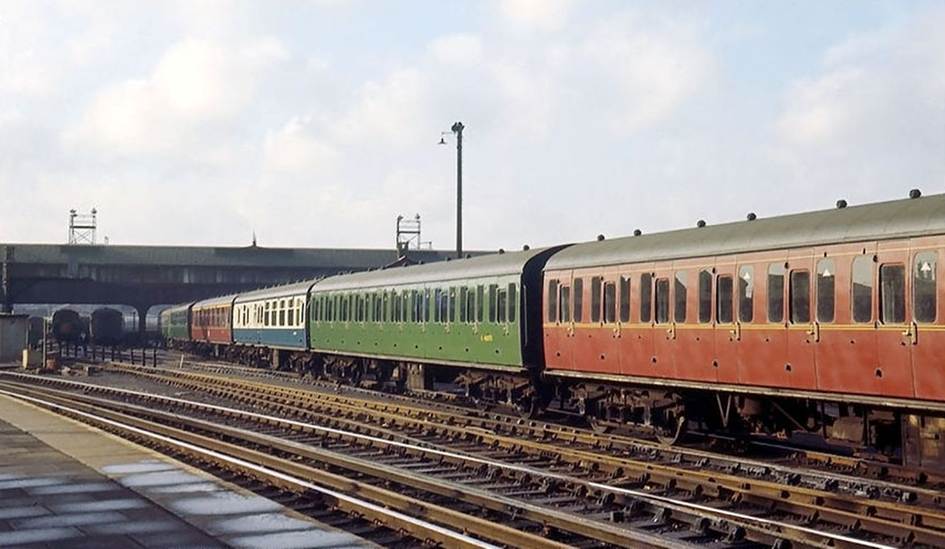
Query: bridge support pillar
[142, 317]
[6, 298]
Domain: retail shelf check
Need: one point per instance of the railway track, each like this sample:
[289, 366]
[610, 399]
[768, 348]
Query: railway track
[817, 471]
[686, 505]
[857, 475]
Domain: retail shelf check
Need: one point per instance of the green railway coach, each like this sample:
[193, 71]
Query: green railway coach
[175, 322]
[471, 312]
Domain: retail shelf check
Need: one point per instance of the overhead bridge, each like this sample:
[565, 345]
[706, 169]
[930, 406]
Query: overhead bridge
[145, 276]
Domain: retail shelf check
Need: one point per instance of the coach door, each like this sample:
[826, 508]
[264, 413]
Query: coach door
[897, 333]
[727, 330]
[928, 349]
[636, 336]
[803, 331]
[664, 332]
[558, 323]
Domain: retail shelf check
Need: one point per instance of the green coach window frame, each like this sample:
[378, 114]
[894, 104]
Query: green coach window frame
[502, 304]
[492, 302]
[451, 315]
[463, 304]
[480, 302]
[513, 302]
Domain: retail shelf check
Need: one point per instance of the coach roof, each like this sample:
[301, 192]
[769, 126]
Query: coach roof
[457, 269]
[284, 290]
[880, 221]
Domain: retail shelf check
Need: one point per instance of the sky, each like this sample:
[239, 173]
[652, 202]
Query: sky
[316, 122]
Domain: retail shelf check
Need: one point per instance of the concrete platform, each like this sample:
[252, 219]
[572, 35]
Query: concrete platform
[66, 485]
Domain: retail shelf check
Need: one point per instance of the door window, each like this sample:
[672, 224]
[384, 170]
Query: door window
[724, 312]
[625, 299]
[924, 304]
[705, 297]
[800, 297]
[662, 301]
[552, 313]
[892, 294]
[679, 312]
[646, 297]
[826, 290]
[862, 289]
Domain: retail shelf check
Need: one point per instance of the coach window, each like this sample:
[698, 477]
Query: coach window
[444, 305]
[646, 297]
[578, 299]
[437, 309]
[705, 297]
[266, 315]
[492, 298]
[776, 292]
[502, 303]
[826, 290]
[892, 294]
[662, 301]
[565, 304]
[610, 302]
[463, 296]
[724, 290]
[513, 302]
[552, 300]
[679, 312]
[746, 293]
[480, 302]
[923, 287]
[596, 291]
[452, 313]
[471, 306]
[427, 301]
[800, 297]
[624, 299]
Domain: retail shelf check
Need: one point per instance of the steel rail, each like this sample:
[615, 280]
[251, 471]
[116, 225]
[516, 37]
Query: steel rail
[885, 514]
[295, 474]
[529, 470]
[853, 482]
[603, 532]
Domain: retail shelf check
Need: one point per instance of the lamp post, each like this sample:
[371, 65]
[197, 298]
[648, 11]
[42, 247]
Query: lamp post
[457, 129]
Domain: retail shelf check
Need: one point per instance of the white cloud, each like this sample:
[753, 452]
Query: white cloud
[295, 150]
[876, 111]
[653, 67]
[393, 110]
[459, 49]
[543, 15]
[195, 84]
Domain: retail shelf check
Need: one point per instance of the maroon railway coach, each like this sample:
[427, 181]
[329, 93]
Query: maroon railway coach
[827, 324]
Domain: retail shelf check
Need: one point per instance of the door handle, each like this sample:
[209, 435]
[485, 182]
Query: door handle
[735, 334]
[671, 332]
[912, 332]
[814, 331]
